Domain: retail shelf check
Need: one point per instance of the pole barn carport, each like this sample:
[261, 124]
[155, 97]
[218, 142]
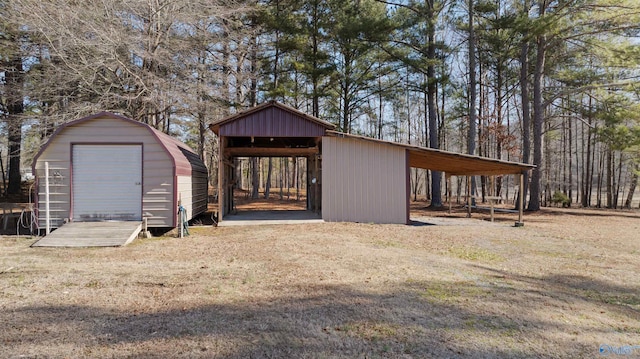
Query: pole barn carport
[350, 178]
[367, 180]
[269, 130]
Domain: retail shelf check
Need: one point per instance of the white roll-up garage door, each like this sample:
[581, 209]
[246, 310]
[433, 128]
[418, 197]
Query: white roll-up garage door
[107, 182]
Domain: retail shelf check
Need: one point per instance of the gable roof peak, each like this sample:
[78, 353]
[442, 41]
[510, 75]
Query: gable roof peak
[215, 126]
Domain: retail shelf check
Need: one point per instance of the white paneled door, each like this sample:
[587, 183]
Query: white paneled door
[107, 182]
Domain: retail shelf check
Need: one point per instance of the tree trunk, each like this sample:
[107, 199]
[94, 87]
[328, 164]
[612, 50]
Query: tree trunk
[610, 174]
[255, 178]
[14, 80]
[267, 184]
[315, 77]
[471, 135]
[202, 131]
[587, 179]
[570, 194]
[632, 186]
[526, 110]
[282, 175]
[538, 118]
[380, 107]
[618, 181]
[298, 180]
[601, 172]
[4, 178]
[436, 177]
[288, 177]
[498, 134]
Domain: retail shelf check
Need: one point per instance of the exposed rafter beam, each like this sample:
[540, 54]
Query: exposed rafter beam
[271, 152]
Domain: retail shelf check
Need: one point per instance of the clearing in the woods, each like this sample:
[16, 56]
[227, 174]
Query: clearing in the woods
[564, 285]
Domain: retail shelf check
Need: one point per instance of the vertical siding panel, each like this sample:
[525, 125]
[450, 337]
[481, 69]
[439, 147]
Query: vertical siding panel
[185, 190]
[386, 186]
[273, 122]
[342, 165]
[328, 186]
[364, 181]
[341, 205]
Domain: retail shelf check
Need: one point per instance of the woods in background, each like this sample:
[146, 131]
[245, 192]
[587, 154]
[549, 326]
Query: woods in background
[553, 83]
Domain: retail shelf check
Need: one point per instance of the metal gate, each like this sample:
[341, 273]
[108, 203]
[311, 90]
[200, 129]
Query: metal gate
[107, 182]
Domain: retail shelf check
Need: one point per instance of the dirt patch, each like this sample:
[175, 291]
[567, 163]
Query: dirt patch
[560, 287]
[244, 203]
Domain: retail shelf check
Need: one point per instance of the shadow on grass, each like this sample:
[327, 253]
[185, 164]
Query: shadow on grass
[625, 300]
[589, 212]
[418, 319]
[418, 223]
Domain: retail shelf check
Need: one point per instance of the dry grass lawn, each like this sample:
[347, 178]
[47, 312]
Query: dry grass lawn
[559, 287]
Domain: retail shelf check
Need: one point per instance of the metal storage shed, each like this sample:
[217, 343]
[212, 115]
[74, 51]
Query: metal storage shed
[107, 167]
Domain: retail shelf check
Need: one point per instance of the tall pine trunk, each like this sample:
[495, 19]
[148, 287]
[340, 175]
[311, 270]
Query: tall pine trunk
[436, 177]
[632, 186]
[255, 177]
[526, 109]
[610, 175]
[267, 184]
[14, 79]
[473, 95]
[538, 117]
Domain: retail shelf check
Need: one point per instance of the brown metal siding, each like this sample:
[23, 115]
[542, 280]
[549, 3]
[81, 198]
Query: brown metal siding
[272, 122]
[200, 190]
[363, 182]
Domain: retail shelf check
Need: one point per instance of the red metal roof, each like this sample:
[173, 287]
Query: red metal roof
[181, 155]
[271, 119]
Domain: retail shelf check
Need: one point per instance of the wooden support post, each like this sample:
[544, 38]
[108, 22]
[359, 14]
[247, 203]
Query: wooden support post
[468, 196]
[520, 222]
[493, 200]
[491, 204]
[221, 175]
[450, 191]
[316, 184]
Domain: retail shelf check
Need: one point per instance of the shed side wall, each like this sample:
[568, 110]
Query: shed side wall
[363, 182]
[157, 197]
[192, 192]
[185, 194]
[200, 190]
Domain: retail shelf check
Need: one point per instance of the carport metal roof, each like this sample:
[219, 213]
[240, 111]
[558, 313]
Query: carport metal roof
[451, 163]
[271, 119]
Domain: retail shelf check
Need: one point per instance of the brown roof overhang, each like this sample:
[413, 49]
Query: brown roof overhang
[451, 163]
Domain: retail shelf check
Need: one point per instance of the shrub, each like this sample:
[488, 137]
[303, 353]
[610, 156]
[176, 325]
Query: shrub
[560, 198]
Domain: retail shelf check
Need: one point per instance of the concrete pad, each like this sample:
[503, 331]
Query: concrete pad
[254, 218]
